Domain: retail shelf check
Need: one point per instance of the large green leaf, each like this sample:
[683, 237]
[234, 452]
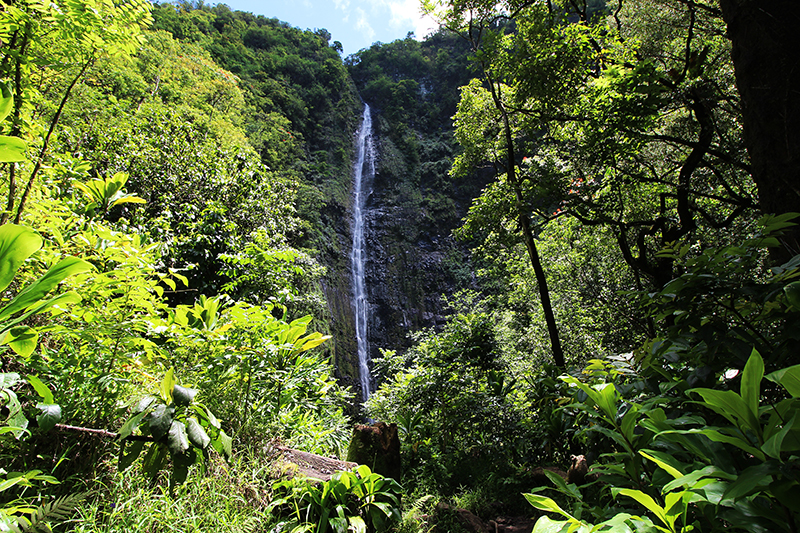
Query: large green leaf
[788, 378]
[160, 420]
[34, 292]
[130, 426]
[357, 524]
[49, 415]
[792, 292]
[717, 436]
[543, 503]
[127, 459]
[183, 396]
[177, 439]
[730, 405]
[775, 444]
[12, 149]
[17, 243]
[167, 385]
[62, 299]
[197, 435]
[663, 460]
[645, 500]
[690, 479]
[154, 460]
[752, 480]
[22, 340]
[751, 382]
[41, 389]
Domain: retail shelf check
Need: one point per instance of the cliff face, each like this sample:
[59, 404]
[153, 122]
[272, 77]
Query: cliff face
[414, 262]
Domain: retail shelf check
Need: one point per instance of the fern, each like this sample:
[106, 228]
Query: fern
[55, 511]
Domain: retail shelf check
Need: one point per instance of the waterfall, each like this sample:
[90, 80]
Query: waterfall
[363, 171]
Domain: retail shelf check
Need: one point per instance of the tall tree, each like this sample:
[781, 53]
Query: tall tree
[765, 41]
[480, 28]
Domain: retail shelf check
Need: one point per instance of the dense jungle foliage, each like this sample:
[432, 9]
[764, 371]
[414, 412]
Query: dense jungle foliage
[623, 294]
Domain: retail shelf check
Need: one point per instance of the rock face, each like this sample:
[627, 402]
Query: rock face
[414, 262]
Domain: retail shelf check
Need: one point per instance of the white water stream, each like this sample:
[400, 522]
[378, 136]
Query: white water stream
[364, 172]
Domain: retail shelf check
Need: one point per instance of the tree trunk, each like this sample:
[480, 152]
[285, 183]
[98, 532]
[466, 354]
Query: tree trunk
[766, 39]
[527, 233]
[378, 447]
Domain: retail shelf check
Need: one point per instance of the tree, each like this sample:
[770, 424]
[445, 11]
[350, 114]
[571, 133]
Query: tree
[486, 39]
[64, 39]
[629, 121]
[765, 39]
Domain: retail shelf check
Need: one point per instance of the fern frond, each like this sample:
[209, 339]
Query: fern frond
[55, 511]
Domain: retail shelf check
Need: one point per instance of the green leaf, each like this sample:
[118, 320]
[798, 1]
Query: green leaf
[752, 480]
[70, 297]
[22, 340]
[788, 378]
[17, 243]
[130, 426]
[126, 460]
[12, 149]
[792, 292]
[160, 420]
[774, 445]
[167, 384]
[6, 100]
[8, 483]
[155, 460]
[128, 199]
[751, 382]
[312, 341]
[34, 292]
[41, 389]
[693, 477]
[546, 525]
[49, 415]
[357, 524]
[197, 435]
[143, 404]
[661, 459]
[645, 500]
[562, 486]
[183, 396]
[603, 395]
[543, 503]
[730, 405]
[717, 436]
[223, 444]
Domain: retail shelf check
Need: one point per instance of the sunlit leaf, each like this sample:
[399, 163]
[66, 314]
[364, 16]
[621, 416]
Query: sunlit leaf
[12, 149]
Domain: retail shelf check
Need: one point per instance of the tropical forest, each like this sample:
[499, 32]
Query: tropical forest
[537, 271]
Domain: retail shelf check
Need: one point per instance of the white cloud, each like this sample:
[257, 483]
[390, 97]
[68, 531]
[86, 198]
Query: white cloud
[344, 5]
[408, 13]
[363, 25]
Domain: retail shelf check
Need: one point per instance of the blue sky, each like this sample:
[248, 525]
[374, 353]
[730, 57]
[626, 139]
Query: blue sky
[355, 23]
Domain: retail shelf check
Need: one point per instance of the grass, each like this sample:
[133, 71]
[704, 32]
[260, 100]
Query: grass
[231, 498]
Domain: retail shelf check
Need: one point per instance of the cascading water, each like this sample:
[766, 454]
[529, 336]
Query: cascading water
[364, 172]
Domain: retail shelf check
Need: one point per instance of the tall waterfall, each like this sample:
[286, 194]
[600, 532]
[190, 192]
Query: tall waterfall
[364, 172]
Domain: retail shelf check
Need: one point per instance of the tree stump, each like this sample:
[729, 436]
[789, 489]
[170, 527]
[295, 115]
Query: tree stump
[378, 447]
